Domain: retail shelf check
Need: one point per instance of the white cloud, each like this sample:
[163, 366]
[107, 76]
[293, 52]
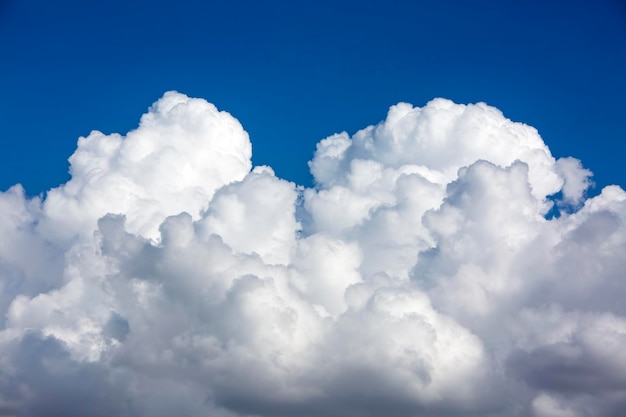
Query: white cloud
[419, 276]
[182, 152]
[546, 406]
[256, 215]
[576, 179]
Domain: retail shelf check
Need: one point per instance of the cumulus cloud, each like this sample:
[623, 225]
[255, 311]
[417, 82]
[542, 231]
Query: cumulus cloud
[422, 275]
[182, 152]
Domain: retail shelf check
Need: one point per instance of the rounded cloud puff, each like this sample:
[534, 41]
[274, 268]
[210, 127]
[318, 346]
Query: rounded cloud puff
[182, 152]
[420, 276]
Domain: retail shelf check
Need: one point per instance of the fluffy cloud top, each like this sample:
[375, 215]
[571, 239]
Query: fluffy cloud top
[421, 276]
[182, 152]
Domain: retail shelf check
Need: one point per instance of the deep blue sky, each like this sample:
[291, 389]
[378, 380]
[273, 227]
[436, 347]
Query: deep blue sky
[296, 72]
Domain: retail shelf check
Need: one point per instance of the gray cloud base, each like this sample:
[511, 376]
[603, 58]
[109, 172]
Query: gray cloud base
[419, 277]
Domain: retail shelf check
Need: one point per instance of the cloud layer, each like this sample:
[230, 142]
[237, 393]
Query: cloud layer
[425, 274]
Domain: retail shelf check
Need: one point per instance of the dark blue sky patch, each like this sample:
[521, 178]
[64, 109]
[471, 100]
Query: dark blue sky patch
[294, 74]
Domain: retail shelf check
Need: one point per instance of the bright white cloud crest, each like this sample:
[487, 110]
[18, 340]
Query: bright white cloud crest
[419, 277]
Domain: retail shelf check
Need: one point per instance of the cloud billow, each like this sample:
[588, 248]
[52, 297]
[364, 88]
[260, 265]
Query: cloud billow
[420, 276]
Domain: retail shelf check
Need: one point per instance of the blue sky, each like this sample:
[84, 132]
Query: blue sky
[296, 72]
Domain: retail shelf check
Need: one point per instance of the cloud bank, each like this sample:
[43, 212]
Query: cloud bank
[424, 275]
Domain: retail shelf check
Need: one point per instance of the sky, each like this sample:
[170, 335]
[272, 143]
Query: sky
[296, 73]
[324, 208]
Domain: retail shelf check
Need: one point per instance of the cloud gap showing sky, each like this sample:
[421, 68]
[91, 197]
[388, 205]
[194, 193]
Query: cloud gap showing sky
[444, 264]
